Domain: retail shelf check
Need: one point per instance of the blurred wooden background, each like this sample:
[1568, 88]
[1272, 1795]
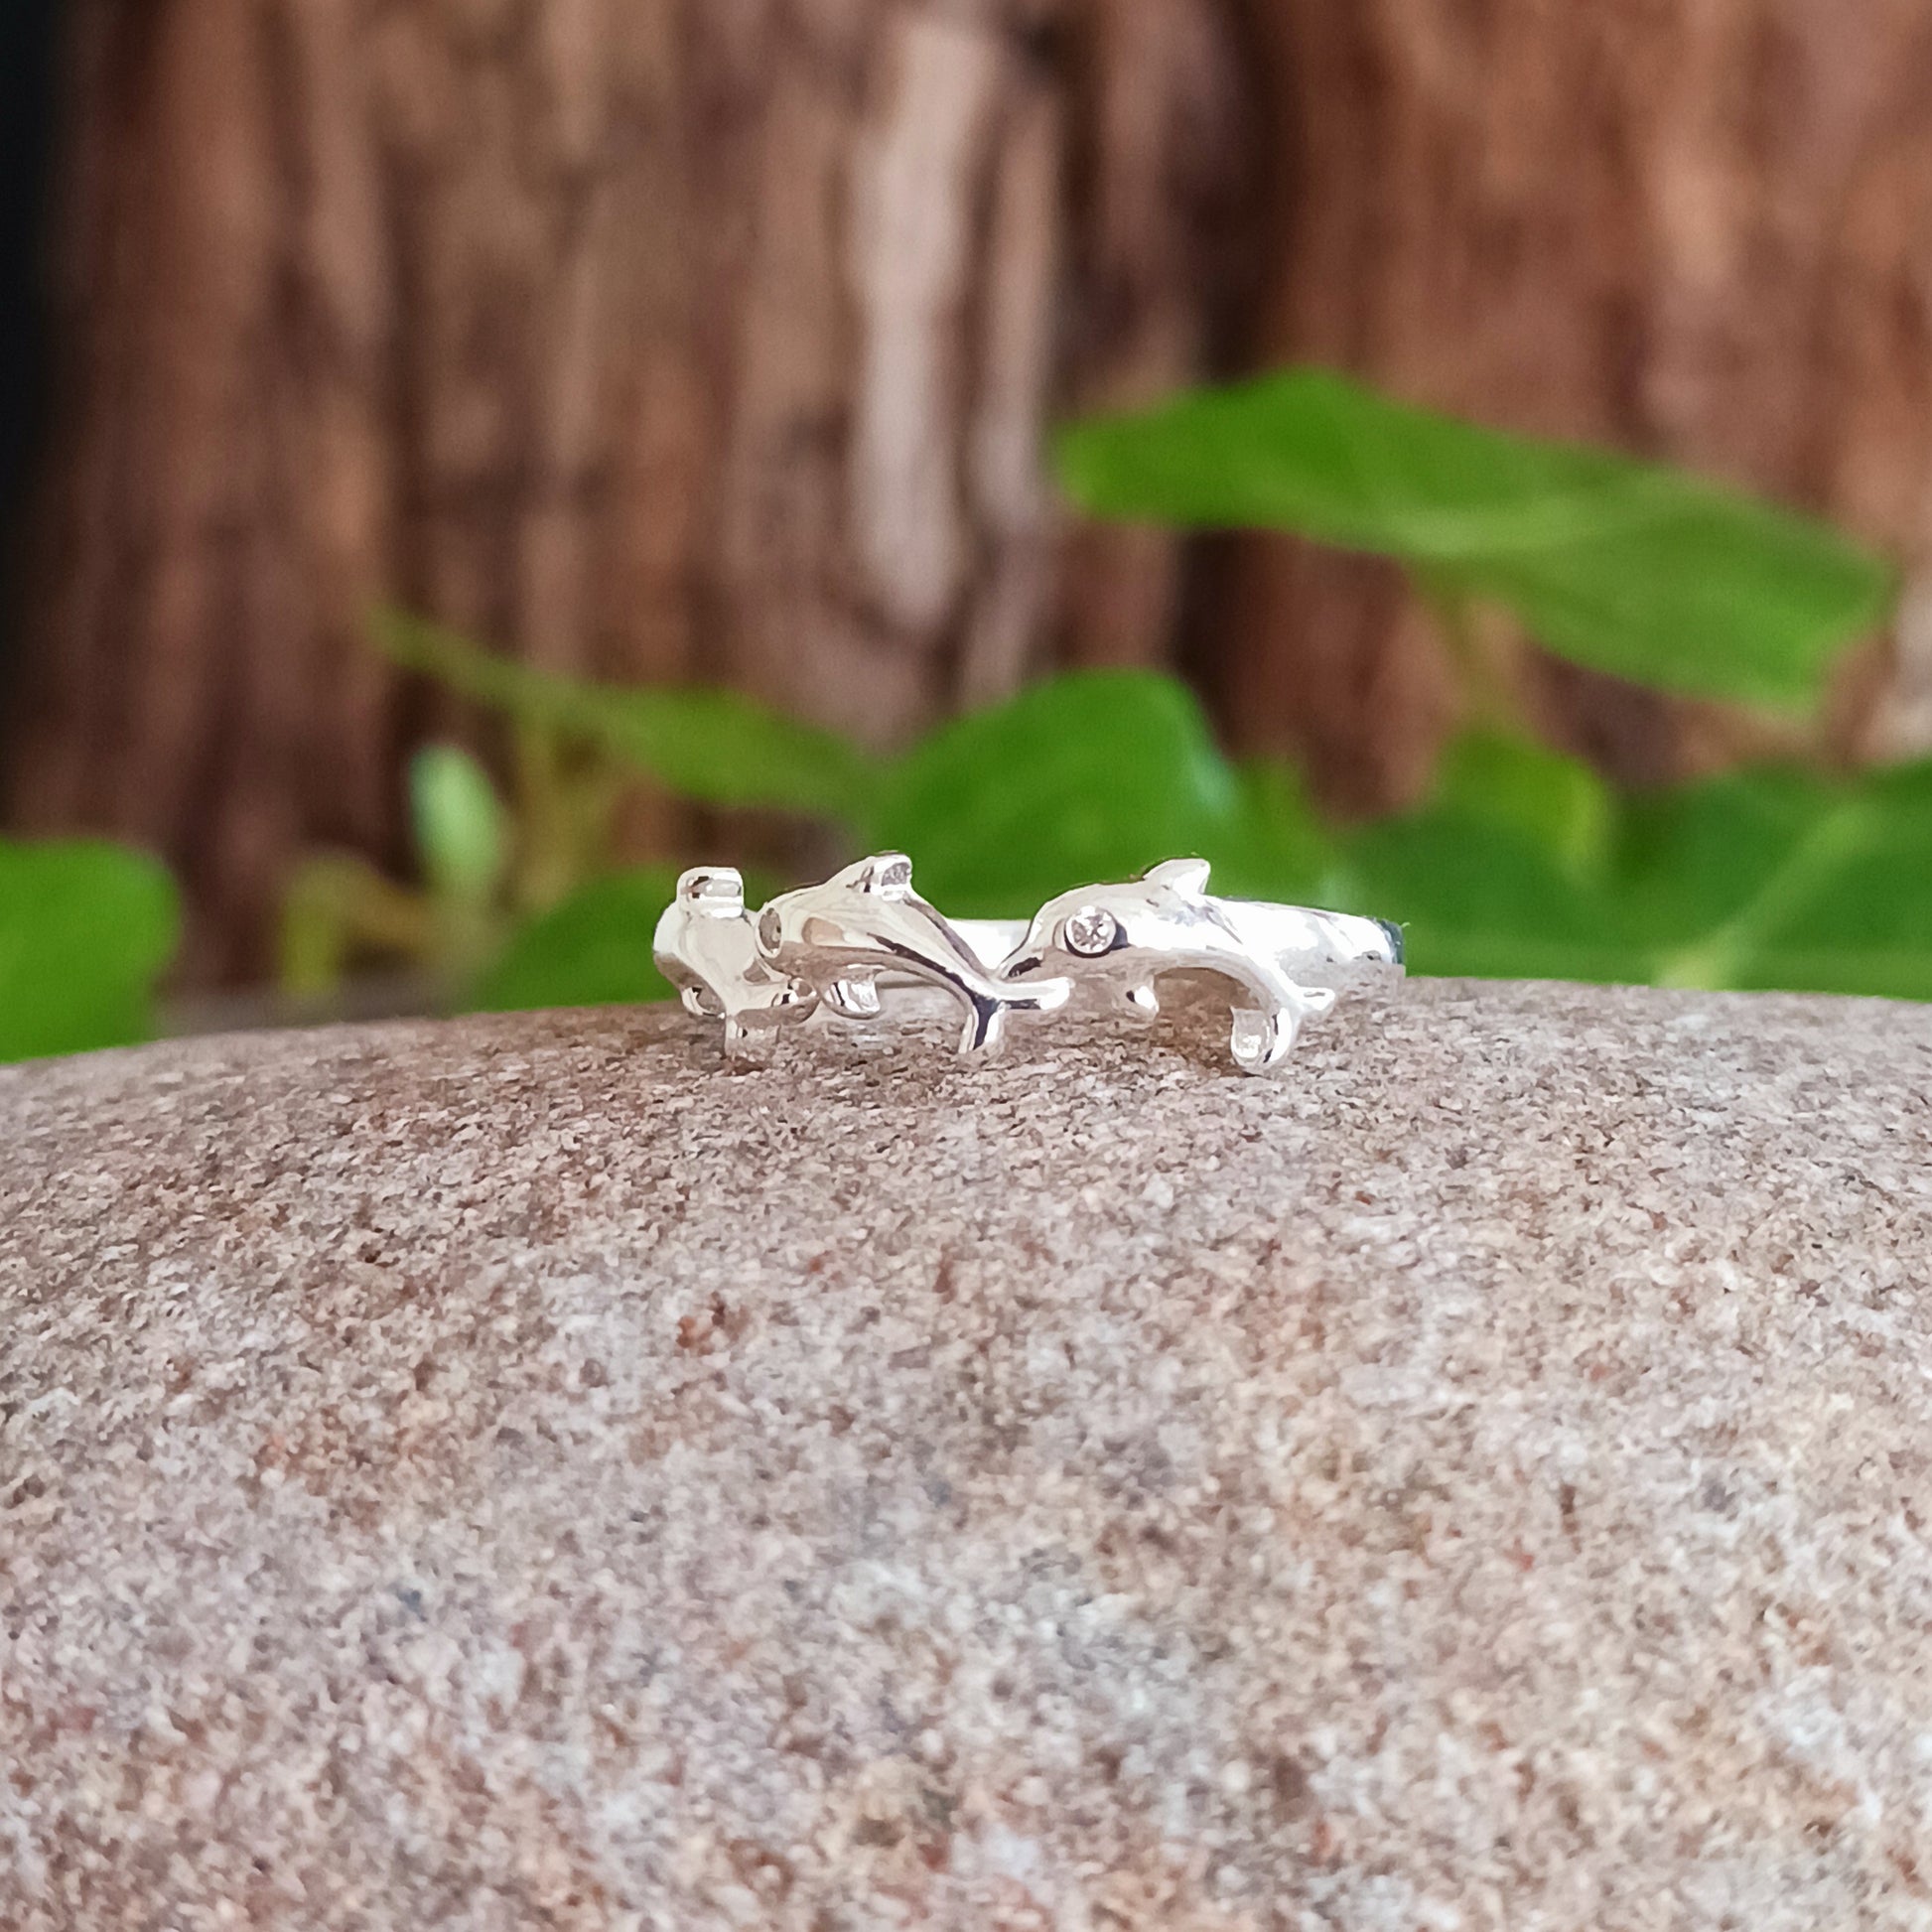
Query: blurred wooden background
[716, 338]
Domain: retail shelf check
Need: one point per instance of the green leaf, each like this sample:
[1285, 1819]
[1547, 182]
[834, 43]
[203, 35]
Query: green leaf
[86, 930]
[1861, 924]
[1623, 566]
[592, 950]
[710, 745]
[1725, 598]
[461, 833]
[1484, 901]
[1692, 859]
[1756, 879]
[1784, 880]
[1556, 803]
[1091, 776]
[1276, 846]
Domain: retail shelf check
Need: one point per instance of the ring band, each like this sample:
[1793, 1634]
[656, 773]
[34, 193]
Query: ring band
[857, 945]
[1342, 950]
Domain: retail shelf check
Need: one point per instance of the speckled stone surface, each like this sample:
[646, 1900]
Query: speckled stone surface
[520, 1473]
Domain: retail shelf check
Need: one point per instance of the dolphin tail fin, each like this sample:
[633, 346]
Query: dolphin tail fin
[987, 1011]
[1263, 1040]
[985, 1027]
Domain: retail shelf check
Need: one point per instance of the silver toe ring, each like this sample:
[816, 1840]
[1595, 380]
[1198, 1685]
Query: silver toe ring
[865, 944]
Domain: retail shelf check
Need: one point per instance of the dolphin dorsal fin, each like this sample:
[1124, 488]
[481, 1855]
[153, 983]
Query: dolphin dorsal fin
[889, 873]
[1184, 875]
[719, 889]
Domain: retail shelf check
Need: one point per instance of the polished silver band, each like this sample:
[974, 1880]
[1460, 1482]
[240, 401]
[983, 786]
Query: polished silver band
[1342, 950]
[866, 944]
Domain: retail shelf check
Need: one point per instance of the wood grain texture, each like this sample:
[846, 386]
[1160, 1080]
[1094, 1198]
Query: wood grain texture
[653, 338]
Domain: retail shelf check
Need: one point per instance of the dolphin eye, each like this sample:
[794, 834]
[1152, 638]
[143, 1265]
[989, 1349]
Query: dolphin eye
[771, 930]
[1090, 932]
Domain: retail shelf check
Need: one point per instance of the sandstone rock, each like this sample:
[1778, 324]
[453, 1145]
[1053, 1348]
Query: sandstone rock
[521, 1474]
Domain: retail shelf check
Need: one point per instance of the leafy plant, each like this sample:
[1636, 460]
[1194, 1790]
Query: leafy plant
[594, 949]
[1089, 777]
[1086, 776]
[1623, 566]
[1757, 880]
[713, 746]
[488, 868]
[86, 930]
[1522, 862]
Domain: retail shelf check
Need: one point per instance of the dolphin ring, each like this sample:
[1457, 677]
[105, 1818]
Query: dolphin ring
[865, 938]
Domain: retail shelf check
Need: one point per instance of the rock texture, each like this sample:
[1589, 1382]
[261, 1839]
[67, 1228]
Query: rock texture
[520, 1473]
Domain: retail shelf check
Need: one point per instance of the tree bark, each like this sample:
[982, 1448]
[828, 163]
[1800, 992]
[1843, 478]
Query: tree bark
[1693, 230]
[651, 338]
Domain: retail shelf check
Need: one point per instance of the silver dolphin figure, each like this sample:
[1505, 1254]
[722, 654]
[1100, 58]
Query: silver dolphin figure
[707, 947]
[1114, 942]
[866, 920]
